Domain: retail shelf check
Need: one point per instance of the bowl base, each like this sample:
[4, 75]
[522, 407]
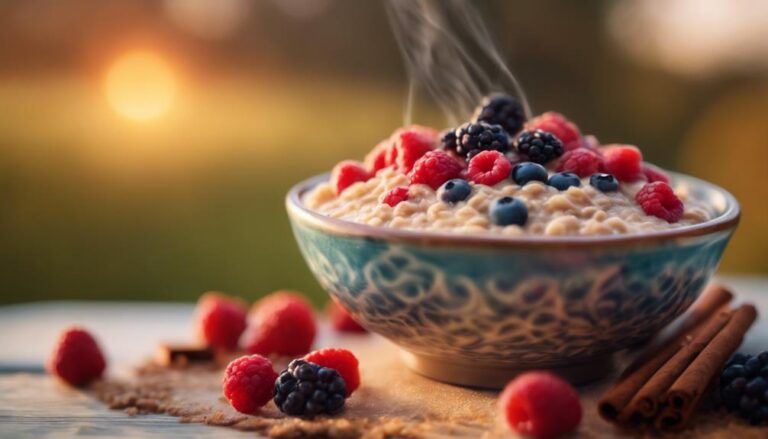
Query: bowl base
[497, 376]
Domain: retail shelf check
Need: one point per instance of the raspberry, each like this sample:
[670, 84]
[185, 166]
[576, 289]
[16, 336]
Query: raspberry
[500, 109]
[284, 324]
[376, 160]
[488, 168]
[395, 196]
[341, 320]
[343, 361]
[580, 161]
[221, 320]
[653, 173]
[658, 199]
[411, 144]
[435, 168]
[565, 130]
[539, 146]
[248, 383]
[347, 173]
[77, 358]
[541, 405]
[623, 161]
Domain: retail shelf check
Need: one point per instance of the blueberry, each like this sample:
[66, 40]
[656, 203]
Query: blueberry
[455, 190]
[765, 396]
[760, 416]
[764, 372]
[737, 358]
[756, 386]
[563, 180]
[527, 172]
[732, 372]
[730, 397]
[752, 367]
[748, 404]
[604, 182]
[508, 210]
[763, 357]
[739, 383]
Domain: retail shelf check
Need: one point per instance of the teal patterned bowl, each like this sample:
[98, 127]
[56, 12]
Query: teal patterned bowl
[476, 310]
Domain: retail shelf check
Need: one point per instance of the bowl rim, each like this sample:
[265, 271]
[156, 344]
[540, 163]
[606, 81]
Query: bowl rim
[296, 210]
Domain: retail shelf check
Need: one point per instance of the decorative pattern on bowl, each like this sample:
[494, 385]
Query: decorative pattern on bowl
[500, 303]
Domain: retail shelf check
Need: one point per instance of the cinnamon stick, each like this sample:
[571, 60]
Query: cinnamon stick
[639, 372]
[685, 393]
[646, 403]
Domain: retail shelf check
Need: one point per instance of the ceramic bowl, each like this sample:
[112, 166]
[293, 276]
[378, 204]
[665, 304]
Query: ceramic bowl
[476, 310]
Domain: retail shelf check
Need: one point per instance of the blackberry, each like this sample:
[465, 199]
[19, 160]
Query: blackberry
[539, 146]
[501, 109]
[448, 139]
[306, 389]
[473, 138]
[743, 389]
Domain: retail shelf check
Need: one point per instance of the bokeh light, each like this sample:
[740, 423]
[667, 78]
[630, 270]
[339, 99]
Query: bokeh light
[140, 85]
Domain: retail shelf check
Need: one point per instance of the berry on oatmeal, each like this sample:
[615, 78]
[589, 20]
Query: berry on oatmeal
[488, 168]
[343, 361]
[508, 211]
[604, 182]
[455, 190]
[283, 323]
[377, 159]
[653, 173]
[563, 180]
[347, 173]
[340, 318]
[76, 358]
[540, 405]
[412, 144]
[580, 161]
[526, 172]
[248, 383]
[658, 199]
[306, 389]
[448, 139]
[435, 168]
[474, 138]
[539, 146]
[221, 320]
[623, 162]
[395, 196]
[503, 110]
[565, 130]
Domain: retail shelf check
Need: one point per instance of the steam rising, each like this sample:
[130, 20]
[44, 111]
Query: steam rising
[448, 51]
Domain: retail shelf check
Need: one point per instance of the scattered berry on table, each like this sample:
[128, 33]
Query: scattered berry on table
[221, 320]
[744, 388]
[563, 180]
[282, 323]
[623, 161]
[488, 168]
[658, 199]
[340, 318]
[77, 358]
[539, 146]
[347, 173]
[565, 130]
[411, 144]
[506, 211]
[604, 182]
[527, 172]
[249, 382]
[455, 190]
[540, 405]
[306, 389]
[653, 173]
[343, 361]
[473, 138]
[395, 196]
[503, 110]
[435, 168]
[580, 161]
[448, 139]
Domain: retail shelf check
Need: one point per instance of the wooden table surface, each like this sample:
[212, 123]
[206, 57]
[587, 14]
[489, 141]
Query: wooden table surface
[34, 405]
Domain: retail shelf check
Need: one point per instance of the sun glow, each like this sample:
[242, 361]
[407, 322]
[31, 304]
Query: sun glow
[140, 85]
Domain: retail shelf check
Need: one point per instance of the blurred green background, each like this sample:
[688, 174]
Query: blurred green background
[104, 195]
